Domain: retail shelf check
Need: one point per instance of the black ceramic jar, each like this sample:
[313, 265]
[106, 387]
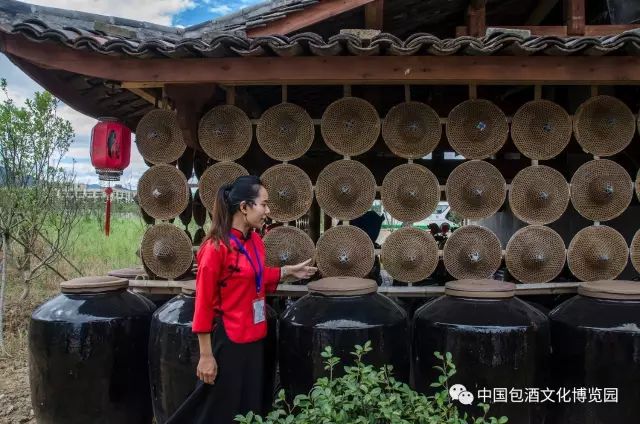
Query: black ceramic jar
[88, 355]
[496, 340]
[340, 312]
[173, 354]
[596, 347]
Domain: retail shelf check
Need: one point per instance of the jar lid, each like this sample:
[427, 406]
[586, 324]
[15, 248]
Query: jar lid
[611, 289]
[94, 284]
[487, 289]
[342, 286]
[189, 287]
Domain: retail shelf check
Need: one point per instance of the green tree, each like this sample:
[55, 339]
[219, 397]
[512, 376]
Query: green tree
[37, 201]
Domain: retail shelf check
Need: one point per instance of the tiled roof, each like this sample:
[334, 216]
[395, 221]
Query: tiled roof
[123, 37]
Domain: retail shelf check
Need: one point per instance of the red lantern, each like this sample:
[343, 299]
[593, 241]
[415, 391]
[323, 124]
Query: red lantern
[110, 155]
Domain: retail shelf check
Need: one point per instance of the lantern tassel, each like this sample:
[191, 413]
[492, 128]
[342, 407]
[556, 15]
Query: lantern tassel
[107, 218]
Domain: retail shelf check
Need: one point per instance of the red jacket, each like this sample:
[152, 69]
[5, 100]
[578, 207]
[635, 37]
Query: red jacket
[226, 286]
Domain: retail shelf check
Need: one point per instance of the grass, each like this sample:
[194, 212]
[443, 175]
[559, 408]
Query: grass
[91, 252]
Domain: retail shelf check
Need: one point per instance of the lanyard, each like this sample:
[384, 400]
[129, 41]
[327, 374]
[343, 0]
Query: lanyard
[258, 271]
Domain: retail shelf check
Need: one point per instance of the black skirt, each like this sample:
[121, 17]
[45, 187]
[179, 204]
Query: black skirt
[238, 388]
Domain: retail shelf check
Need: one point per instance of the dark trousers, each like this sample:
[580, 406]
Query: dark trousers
[238, 387]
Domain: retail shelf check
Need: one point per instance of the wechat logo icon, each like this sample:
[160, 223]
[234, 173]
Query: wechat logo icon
[459, 392]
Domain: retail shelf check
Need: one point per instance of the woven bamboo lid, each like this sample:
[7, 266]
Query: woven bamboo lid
[98, 284]
[345, 189]
[604, 125]
[597, 253]
[285, 131]
[216, 176]
[128, 273]
[535, 254]
[159, 137]
[163, 192]
[412, 130]
[409, 254]
[225, 133]
[189, 288]
[477, 128]
[167, 251]
[480, 289]
[601, 190]
[539, 195]
[342, 286]
[345, 250]
[472, 251]
[290, 192]
[410, 192]
[350, 126]
[611, 289]
[288, 246]
[541, 129]
[476, 189]
[635, 251]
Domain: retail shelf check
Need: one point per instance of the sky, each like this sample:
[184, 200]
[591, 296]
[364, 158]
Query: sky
[164, 12]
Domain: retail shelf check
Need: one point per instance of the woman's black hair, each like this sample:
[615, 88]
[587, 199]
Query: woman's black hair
[228, 199]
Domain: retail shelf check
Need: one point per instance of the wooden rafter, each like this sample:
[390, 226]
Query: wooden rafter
[332, 70]
[144, 94]
[374, 15]
[574, 16]
[310, 15]
[477, 18]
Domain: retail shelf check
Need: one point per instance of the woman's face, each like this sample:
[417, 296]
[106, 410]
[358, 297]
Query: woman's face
[257, 212]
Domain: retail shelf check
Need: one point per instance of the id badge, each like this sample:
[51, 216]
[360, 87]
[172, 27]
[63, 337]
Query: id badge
[258, 311]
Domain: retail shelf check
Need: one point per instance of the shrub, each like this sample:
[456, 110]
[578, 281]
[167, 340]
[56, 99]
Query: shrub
[366, 395]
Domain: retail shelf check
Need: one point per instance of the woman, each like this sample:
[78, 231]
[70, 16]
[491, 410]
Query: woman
[230, 316]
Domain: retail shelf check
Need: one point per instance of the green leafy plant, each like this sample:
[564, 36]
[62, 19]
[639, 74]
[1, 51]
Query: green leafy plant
[367, 395]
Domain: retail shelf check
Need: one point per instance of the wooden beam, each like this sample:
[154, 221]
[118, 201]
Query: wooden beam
[571, 70]
[308, 16]
[142, 93]
[477, 18]
[574, 16]
[374, 15]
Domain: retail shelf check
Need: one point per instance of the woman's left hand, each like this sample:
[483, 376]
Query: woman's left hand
[300, 271]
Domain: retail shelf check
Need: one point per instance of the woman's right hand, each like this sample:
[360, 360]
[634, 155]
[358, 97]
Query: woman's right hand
[207, 369]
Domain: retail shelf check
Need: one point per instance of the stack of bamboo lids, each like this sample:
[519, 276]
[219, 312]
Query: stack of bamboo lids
[535, 254]
[167, 251]
[476, 189]
[601, 190]
[539, 195]
[163, 192]
[285, 132]
[472, 251]
[345, 189]
[290, 192]
[480, 289]
[541, 129]
[597, 253]
[611, 289]
[342, 286]
[410, 192]
[477, 128]
[215, 177]
[604, 125]
[411, 130]
[345, 250]
[97, 284]
[159, 137]
[350, 126]
[409, 254]
[288, 246]
[225, 133]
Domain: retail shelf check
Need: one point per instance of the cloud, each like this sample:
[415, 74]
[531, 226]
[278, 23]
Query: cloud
[222, 9]
[156, 11]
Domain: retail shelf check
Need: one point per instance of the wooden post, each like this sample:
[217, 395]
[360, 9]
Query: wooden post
[374, 15]
[190, 101]
[574, 17]
[476, 18]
